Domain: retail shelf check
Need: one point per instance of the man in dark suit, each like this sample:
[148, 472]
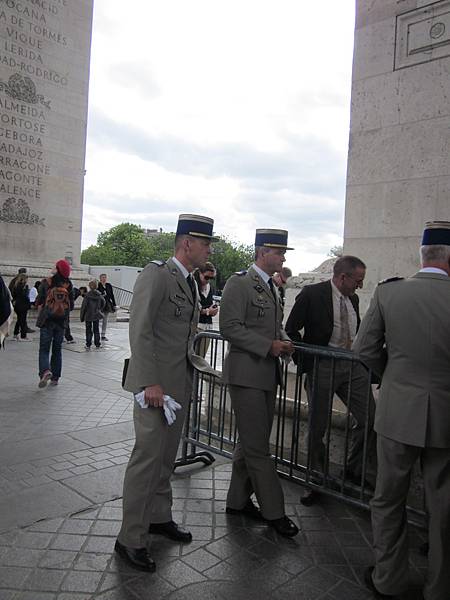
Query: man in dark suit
[328, 312]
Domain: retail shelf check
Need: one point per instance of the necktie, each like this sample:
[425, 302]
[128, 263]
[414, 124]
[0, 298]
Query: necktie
[345, 325]
[272, 289]
[191, 284]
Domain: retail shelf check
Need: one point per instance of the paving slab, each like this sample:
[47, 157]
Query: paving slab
[41, 502]
[108, 434]
[99, 486]
[18, 452]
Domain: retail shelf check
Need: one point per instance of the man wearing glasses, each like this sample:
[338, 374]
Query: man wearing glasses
[328, 314]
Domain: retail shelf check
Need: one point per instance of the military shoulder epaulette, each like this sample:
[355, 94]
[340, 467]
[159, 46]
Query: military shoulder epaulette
[389, 279]
[160, 263]
[244, 272]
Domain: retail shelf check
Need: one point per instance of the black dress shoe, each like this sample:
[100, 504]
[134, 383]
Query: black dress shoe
[370, 584]
[172, 531]
[309, 498]
[249, 510]
[284, 526]
[138, 558]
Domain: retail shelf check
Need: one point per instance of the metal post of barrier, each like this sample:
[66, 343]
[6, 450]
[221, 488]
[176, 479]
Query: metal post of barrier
[214, 431]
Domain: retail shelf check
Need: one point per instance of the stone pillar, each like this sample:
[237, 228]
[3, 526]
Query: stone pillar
[44, 77]
[398, 165]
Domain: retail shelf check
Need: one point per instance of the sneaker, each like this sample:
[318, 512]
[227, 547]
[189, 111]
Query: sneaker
[98, 347]
[71, 342]
[88, 347]
[16, 337]
[25, 339]
[53, 382]
[104, 338]
[46, 375]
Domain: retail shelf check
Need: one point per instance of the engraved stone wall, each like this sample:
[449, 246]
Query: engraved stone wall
[44, 76]
[398, 164]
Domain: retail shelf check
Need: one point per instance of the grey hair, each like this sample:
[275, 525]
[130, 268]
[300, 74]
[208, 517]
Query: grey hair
[435, 253]
[260, 250]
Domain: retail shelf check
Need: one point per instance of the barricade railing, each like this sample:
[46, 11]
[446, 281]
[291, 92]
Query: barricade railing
[316, 440]
[123, 297]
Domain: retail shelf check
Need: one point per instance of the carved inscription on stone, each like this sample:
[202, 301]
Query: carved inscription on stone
[423, 35]
[29, 31]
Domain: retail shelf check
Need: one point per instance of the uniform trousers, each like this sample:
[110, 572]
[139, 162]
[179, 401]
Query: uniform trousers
[389, 524]
[253, 467]
[147, 493]
[320, 392]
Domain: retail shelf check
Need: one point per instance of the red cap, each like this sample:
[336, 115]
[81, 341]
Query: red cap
[63, 268]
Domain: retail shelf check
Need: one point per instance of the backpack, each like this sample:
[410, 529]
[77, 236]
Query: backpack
[57, 303]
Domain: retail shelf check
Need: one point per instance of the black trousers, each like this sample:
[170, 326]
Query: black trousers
[21, 323]
[92, 327]
[67, 333]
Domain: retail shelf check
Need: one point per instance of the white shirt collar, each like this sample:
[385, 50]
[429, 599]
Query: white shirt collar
[182, 268]
[335, 290]
[433, 270]
[264, 276]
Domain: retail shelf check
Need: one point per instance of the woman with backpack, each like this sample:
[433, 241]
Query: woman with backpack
[55, 298]
[21, 305]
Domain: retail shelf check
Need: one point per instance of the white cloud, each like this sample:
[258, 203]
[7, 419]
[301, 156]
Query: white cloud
[236, 109]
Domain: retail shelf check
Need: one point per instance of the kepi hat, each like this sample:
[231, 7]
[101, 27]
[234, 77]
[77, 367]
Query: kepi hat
[196, 226]
[436, 233]
[272, 238]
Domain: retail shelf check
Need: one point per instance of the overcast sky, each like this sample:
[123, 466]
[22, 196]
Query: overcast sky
[235, 109]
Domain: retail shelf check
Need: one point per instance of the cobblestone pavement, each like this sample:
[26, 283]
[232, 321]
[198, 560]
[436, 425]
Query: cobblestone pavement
[62, 457]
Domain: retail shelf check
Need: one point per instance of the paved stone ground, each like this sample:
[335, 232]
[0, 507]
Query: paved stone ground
[62, 456]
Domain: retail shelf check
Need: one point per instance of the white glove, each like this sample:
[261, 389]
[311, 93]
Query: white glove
[169, 407]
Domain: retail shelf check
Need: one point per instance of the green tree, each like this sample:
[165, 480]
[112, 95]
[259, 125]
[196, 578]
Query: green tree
[336, 251]
[127, 244]
[229, 257]
[124, 244]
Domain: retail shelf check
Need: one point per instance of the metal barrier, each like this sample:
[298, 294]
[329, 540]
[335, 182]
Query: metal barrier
[211, 428]
[123, 297]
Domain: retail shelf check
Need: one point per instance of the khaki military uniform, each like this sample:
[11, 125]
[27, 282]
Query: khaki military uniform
[250, 319]
[163, 322]
[405, 338]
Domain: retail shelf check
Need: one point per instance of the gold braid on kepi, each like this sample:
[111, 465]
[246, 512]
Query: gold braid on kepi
[436, 233]
[196, 226]
[272, 238]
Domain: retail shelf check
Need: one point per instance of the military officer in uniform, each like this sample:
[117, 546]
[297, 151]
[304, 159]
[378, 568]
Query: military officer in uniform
[163, 322]
[251, 317]
[405, 338]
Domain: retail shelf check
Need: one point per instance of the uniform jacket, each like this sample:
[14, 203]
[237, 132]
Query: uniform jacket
[313, 312]
[250, 319]
[92, 306]
[163, 323]
[405, 338]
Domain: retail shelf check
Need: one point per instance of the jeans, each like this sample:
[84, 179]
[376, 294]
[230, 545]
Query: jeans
[104, 323]
[92, 327]
[51, 337]
[67, 333]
